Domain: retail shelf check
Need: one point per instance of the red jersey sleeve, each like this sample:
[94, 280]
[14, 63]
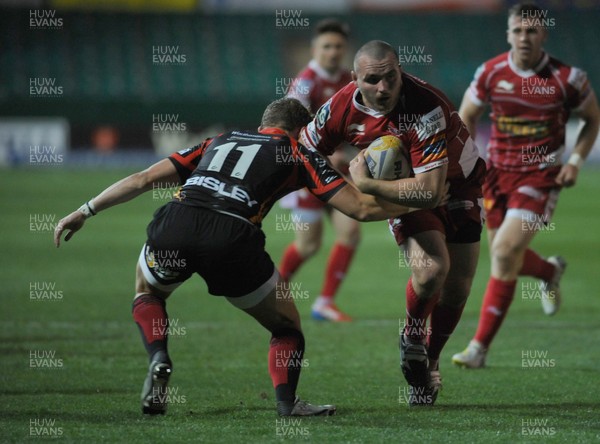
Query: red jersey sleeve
[578, 88]
[428, 141]
[316, 174]
[187, 160]
[325, 132]
[479, 88]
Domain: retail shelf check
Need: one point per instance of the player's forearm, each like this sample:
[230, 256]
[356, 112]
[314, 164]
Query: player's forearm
[405, 192]
[121, 191]
[375, 208]
[471, 124]
[587, 137]
[159, 174]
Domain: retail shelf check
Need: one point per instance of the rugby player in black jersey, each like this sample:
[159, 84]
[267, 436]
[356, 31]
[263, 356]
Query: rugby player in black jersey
[229, 184]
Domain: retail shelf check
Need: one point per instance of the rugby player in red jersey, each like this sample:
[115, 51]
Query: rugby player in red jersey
[313, 86]
[212, 226]
[444, 239]
[531, 95]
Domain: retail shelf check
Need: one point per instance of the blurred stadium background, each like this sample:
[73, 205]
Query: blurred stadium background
[115, 68]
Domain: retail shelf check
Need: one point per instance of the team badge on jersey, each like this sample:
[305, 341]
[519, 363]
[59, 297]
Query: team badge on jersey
[505, 86]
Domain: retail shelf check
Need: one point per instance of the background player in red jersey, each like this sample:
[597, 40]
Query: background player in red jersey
[384, 100]
[313, 86]
[212, 226]
[531, 95]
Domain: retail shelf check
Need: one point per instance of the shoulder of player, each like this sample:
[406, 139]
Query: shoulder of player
[494, 65]
[564, 70]
[307, 75]
[337, 105]
[429, 97]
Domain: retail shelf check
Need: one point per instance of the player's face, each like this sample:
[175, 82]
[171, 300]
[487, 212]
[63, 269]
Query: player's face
[329, 50]
[526, 41]
[379, 81]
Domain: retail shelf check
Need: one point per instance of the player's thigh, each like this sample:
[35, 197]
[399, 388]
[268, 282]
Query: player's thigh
[463, 265]
[276, 310]
[142, 286]
[427, 255]
[347, 230]
[308, 236]
[512, 237]
[491, 235]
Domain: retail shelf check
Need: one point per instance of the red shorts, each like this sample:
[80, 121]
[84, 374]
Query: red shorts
[535, 192]
[460, 220]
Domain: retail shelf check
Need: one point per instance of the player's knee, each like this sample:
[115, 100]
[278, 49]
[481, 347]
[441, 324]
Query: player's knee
[505, 252]
[349, 237]
[431, 277]
[308, 246]
[143, 287]
[287, 332]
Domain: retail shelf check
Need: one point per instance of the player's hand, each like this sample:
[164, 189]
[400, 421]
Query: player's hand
[567, 175]
[72, 222]
[359, 171]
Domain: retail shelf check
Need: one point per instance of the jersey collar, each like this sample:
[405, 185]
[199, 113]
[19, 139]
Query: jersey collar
[363, 108]
[272, 130]
[324, 74]
[528, 72]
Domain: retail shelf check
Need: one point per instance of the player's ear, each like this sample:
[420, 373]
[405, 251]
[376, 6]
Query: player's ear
[260, 127]
[354, 78]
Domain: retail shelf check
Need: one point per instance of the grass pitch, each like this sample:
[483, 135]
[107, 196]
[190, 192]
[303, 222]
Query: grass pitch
[73, 364]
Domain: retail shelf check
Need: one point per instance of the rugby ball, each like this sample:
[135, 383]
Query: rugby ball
[387, 158]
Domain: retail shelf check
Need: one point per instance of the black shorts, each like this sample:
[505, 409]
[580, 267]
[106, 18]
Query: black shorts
[226, 251]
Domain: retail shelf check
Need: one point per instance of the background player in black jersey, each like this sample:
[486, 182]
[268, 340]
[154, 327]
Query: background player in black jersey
[212, 227]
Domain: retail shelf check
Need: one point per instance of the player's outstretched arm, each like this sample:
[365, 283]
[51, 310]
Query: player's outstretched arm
[590, 114]
[402, 191]
[122, 191]
[470, 113]
[362, 207]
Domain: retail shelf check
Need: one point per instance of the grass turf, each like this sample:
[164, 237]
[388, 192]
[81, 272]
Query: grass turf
[221, 389]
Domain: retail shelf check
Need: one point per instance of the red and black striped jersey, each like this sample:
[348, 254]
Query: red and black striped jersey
[243, 173]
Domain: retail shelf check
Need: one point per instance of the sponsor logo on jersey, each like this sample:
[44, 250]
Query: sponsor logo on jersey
[329, 179]
[430, 124]
[221, 188]
[517, 126]
[505, 86]
[185, 151]
[323, 114]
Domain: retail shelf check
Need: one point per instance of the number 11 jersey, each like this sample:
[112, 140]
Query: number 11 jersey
[243, 173]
